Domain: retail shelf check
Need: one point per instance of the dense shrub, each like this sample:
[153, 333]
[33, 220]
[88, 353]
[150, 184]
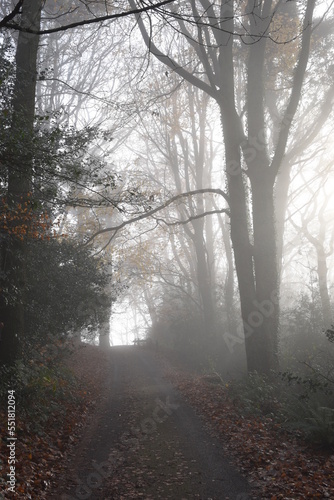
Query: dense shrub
[41, 384]
[298, 402]
[66, 291]
[300, 333]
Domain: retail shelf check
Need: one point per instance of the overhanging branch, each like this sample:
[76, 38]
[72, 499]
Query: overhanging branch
[12, 14]
[17, 27]
[296, 89]
[150, 213]
[194, 217]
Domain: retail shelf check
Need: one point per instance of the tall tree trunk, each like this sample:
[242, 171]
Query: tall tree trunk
[242, 248]
[151, 308]
[203, 279]
[104, 334]
[322, 271]
[239, 217]
[281, 203]
[20, 176]
[210, 239]
[263, 320]
[229, 288]
[266, 307]
[319, 242]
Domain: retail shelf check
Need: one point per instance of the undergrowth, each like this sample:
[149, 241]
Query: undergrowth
[303, 403]
[41, 388]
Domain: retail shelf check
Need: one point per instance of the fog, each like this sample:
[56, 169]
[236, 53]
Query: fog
[212, 141]
[167, 248]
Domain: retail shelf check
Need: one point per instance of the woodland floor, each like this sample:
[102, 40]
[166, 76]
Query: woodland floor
[144, 428]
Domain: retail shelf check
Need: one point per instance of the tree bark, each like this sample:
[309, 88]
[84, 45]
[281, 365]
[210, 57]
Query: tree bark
[322, 271]
[281, 203]
[19, 177]
[229, 288]
[266, 308]
[104, 334]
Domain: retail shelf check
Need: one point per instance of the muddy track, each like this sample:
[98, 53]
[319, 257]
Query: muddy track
[144, 441]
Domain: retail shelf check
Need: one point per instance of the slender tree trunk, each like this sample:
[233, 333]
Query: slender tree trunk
[318, 243]
[322, 270]
[203, 279]
[229, 288]
[103, 320]
[151, 308]
[281, 203]
[210, 239]
[242, 248]
[196, 166]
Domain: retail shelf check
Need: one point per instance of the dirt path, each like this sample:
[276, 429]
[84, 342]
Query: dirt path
[144, 441]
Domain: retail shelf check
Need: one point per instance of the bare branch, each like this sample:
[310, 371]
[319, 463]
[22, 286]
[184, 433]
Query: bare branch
[170, 62]
[296, 89]
[317, 372]
[317, 126]
[15, 26]
[12, 14]
[149, 213]
[194, 217]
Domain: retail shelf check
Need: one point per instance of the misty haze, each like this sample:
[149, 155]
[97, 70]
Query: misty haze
[167, 249]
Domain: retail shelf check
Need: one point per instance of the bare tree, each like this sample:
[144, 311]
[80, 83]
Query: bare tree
[253, 153]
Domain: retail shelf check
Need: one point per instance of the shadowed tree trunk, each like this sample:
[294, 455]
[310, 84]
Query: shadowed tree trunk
[229, 286]
[104, 332]
[19, 177]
